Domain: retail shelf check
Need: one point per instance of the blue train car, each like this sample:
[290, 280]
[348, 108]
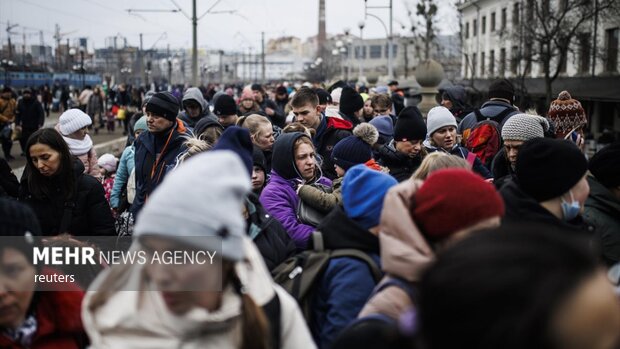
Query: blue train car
[20, 79]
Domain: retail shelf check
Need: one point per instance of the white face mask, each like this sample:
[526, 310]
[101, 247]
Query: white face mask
[570, 210]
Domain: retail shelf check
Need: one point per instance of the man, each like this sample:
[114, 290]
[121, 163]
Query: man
[454, 98]
[7, 116]
[84, 97]
[157, 150]
[516, 131]
[281, 99]
[226, 110]
[398, 97]
[325, 99]
[351, 105]
[329, 130]
[195, 108]
[498, 108]
[268, 106]
[29, 117]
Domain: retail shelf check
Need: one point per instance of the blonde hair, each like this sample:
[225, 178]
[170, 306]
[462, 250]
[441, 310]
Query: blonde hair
[298, 127]
[253, 123]
[437, 161]
[194, 146]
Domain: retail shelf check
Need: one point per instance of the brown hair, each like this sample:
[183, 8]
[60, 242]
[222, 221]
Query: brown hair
[300, 141]
[298, 127]
[304, 96]
[381, 101]
[255, 330]
[437, 161]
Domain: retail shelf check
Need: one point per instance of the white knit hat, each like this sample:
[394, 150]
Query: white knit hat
[523, 127]
[336, 95]
[200, 204]
[437, 118]
[108, 162]
[73, 120]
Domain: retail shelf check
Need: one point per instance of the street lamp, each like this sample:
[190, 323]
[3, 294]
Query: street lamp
[389, 33]
[124, 72]
[361, 25]
[82, 49]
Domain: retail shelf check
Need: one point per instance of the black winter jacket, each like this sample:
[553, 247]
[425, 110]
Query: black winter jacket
[603, 211]
[400, 165]
[9, 185]
[29, 114]
[91, 215]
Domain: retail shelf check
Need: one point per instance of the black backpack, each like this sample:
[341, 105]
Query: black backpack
[300, 274]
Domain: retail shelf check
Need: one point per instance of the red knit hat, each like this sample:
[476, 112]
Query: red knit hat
[454, 199]
[566, 114]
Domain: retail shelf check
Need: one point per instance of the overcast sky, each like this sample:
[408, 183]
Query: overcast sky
[98, 19]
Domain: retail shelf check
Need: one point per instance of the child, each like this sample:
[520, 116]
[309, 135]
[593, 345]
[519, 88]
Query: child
[73, 126]
[110, 118]
[107, 163]
[350, 151]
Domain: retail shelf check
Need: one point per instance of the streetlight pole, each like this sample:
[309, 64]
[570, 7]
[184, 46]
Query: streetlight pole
[389, 34]
[82, 65]
[361, 25]
[194, 45]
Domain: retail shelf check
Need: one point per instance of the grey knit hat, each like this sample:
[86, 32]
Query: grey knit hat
[523, 127]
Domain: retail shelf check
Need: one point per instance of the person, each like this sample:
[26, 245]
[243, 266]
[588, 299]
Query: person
[551, 186]
[195, 107]
[33, 315]
[182, 306]
[294, 161]
[269, 107]
[351, 105]
[420, 219]
[325, 99]
[368, 113]
[64, 198]
[247, 104]
[347, 282]
[29, 117]
[442, 136]
[397, 97]
[437, 161]
[454, 98]
[84, 97]
[226, 110]
[516, 131]
[333, 108]
[602, 208]
[157, 150]
[94, 108]
[382, 106]
[108, 164]
[498, 108]
[125, 168]
[353, 150]
[46, 99]
[7, 116]
[329, 130]
[403, 155]
[385, 126]
[567, 115]
[208, 130]
[259, 174]
[73, 126]
[281, 99]
[9, 185]
[261, 132]
[524, 288]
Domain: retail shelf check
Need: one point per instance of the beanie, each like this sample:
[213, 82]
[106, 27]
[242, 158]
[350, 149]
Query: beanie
[454, 199]
[147, 97]
[502, 88]
[19, 227]
[363, 190]
[523, 127]
[224, 106]
[437, 118]
[108, 162]
[384, 125]
[355, 149]
[237, 139]
[256, 87]
[258, 158]
[324, 96]
[190, 191]
[335, 85]
[350, 101]
[140, 125]
[336, 93]
[73, 120]
[605, 165]
[409, 125]
[164, 104]
[548, 168]
[566, 114]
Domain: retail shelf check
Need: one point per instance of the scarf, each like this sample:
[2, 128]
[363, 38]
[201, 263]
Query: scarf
[79, 147]
[24, 334]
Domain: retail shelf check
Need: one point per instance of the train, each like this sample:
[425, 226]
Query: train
[20, 79]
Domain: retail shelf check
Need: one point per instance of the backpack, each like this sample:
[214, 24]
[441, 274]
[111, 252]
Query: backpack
[300, 275]
[485, 139]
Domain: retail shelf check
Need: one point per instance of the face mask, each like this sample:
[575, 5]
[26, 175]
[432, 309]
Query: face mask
[572, 209]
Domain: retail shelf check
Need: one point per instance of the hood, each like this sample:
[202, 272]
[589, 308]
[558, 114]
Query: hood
[283, 158]
[339, 232]
[194, 93]
[145, 316]
[602, 199]
[205, 123]
[404, 251]
[493, 109]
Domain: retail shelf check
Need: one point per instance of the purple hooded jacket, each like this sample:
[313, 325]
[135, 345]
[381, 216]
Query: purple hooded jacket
[279, 197]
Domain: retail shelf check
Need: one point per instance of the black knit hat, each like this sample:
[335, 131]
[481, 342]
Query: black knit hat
[281, 90]
[258, 158]
[19, 227]
[324, 96]
[164, 104]
[350, 101]
[410, 125]
[548, 168]
[502, 88]
[605, 165]
[224, 106]
[256, 87]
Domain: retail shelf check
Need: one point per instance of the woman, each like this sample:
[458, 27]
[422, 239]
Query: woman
[441, 136]
[261, 132]
[94, 108]
[247, 103]
[48, 317]
[437, 161]
[294, 163]
[228, 303]
[54, 185]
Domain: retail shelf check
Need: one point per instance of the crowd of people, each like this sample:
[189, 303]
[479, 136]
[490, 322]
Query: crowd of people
[345, 218]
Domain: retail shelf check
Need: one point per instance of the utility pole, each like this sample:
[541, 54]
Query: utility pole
[391, 49]
[262, 54]
[194, 46]
[8, 34]
[140, 58]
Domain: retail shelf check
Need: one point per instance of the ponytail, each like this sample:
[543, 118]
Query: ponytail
[255, 333]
